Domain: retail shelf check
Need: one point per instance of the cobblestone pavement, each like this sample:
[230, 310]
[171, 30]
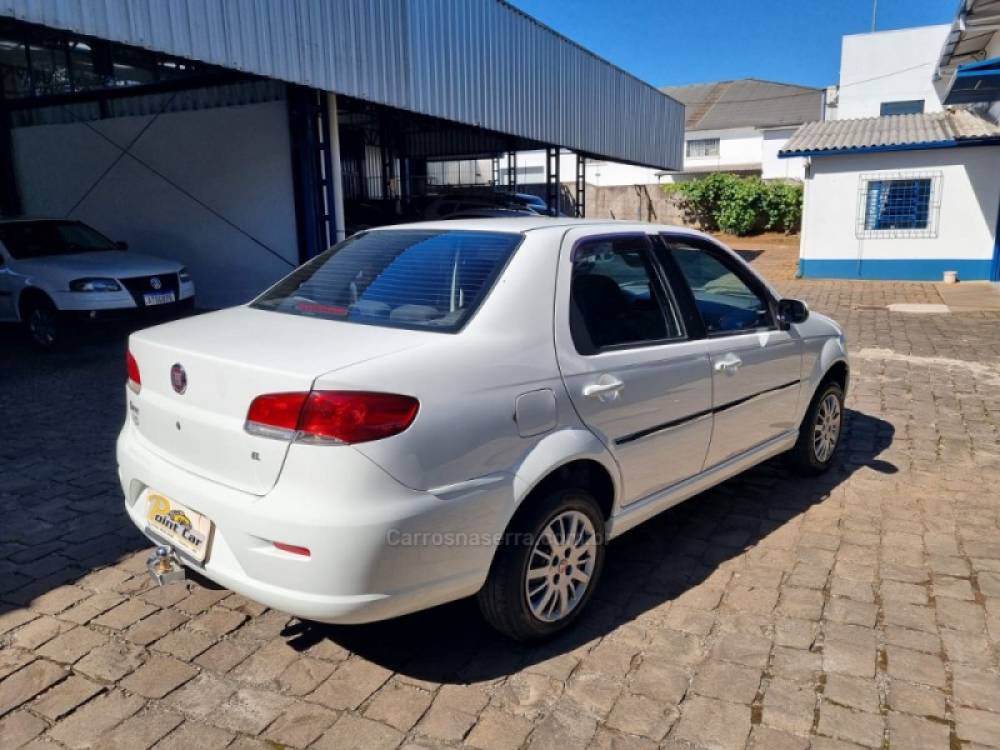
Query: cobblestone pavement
[860, 609]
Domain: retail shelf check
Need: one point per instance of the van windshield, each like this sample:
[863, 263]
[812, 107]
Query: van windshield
[429, 280]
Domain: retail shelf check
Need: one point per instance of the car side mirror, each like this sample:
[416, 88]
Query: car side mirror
[121, 245]
[791, 311]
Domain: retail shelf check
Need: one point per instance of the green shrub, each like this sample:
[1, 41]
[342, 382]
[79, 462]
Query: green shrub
[740, 205]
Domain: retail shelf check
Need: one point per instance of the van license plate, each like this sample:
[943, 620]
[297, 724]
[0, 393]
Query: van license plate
[190, 531]
[158, 298]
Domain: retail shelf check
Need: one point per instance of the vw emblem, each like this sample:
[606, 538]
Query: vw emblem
[155, 282]
[178, 378]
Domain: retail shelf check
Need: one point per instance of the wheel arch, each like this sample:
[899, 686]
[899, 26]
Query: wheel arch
[568, 458]
[30, 294]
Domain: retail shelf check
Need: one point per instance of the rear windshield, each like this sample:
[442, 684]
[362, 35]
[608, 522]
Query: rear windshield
[36, 239]
[431, 280]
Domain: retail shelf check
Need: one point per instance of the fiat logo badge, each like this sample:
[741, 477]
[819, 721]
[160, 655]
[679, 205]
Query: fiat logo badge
[178, 378]
[155, 282]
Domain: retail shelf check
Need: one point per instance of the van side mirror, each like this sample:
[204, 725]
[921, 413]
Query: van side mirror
[791, 311]
[121, 245]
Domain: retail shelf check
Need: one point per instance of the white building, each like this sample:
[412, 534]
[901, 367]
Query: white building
[902, 185]
[889, 73]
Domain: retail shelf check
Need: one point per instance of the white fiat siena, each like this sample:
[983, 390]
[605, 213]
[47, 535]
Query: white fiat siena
[431, 411]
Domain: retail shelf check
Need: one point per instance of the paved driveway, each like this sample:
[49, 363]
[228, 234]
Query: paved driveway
[772, 612]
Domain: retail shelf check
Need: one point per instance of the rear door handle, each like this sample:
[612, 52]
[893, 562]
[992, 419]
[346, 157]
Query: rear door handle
[728, 364]
[606, 389]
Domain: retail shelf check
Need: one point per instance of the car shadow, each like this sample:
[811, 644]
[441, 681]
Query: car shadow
[646, 568]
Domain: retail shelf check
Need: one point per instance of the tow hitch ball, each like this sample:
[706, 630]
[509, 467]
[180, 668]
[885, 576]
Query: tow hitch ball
[164, 567]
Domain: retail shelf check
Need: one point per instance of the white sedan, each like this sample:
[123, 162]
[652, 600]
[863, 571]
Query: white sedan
[56, 271]
[438, 410]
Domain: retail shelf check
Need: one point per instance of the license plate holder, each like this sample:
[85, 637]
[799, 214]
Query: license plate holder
[158, 298]
[188, 530]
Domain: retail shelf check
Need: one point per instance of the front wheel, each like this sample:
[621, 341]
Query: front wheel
[546, 567]
[820, 432]
[42, 320]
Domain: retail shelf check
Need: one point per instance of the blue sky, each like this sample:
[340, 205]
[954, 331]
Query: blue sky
[672, 42]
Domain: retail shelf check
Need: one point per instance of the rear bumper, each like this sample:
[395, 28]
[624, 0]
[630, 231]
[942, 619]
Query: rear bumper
[378, 548]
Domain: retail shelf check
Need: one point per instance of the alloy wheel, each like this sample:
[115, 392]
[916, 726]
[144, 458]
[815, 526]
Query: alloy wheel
[42, 325]
[561, 565]
[826, 430]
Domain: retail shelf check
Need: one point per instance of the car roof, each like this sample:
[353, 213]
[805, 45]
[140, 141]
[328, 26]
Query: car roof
[522, 224]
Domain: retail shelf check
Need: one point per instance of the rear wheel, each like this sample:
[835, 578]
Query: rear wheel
[820, 432]
[41, 318]
[547, 566]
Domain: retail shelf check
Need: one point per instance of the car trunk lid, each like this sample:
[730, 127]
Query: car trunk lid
[228, 359]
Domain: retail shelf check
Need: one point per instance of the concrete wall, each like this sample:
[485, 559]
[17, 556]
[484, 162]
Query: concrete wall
[889, 66]
[633, 203]
[966, 221]
[235, 160]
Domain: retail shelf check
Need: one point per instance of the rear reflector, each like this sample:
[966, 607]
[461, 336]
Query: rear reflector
[293, 549]
[134, 378]
[331, 416]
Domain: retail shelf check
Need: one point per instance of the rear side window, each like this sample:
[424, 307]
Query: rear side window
[615, 298]
[431, 280]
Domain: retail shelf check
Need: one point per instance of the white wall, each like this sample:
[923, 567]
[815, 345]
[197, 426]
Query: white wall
[970, 197]
[737, 147]
[889, 66]
[773, 168]
[237, 160]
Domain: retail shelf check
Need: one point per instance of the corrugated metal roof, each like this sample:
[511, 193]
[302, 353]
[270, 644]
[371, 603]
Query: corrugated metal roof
[948, 128]
[478, 62]
[748, 102]
[970, 35]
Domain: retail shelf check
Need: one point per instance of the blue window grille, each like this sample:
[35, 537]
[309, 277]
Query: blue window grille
[897, 204]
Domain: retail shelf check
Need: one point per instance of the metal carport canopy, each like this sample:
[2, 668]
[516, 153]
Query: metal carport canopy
[478, 62]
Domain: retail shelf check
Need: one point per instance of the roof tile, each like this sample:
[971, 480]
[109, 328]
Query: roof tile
[891, 130]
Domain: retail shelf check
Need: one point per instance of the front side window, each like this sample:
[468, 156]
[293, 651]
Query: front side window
[908, 107]
[36, 239]
[433, 280]
[701, 147]
[726, 303]
[615, 299]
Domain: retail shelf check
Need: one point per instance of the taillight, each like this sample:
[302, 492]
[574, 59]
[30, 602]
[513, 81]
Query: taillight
[275, 415]
[134, 379]
[331, 416]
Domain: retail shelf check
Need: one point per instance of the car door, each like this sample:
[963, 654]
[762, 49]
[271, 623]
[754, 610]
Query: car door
[634, 376]
[756, 366]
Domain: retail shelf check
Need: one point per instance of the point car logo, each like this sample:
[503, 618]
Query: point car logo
[155, 282]
[178, 378]
[173, 520]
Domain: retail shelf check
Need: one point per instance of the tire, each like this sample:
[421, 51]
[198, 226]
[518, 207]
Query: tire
[41, 320]
[524, 612]
[812, 455]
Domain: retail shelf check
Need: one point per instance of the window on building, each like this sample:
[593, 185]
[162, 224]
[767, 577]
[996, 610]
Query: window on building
[700, 147]
[908, 107]
[41, 62]
[899, 206]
